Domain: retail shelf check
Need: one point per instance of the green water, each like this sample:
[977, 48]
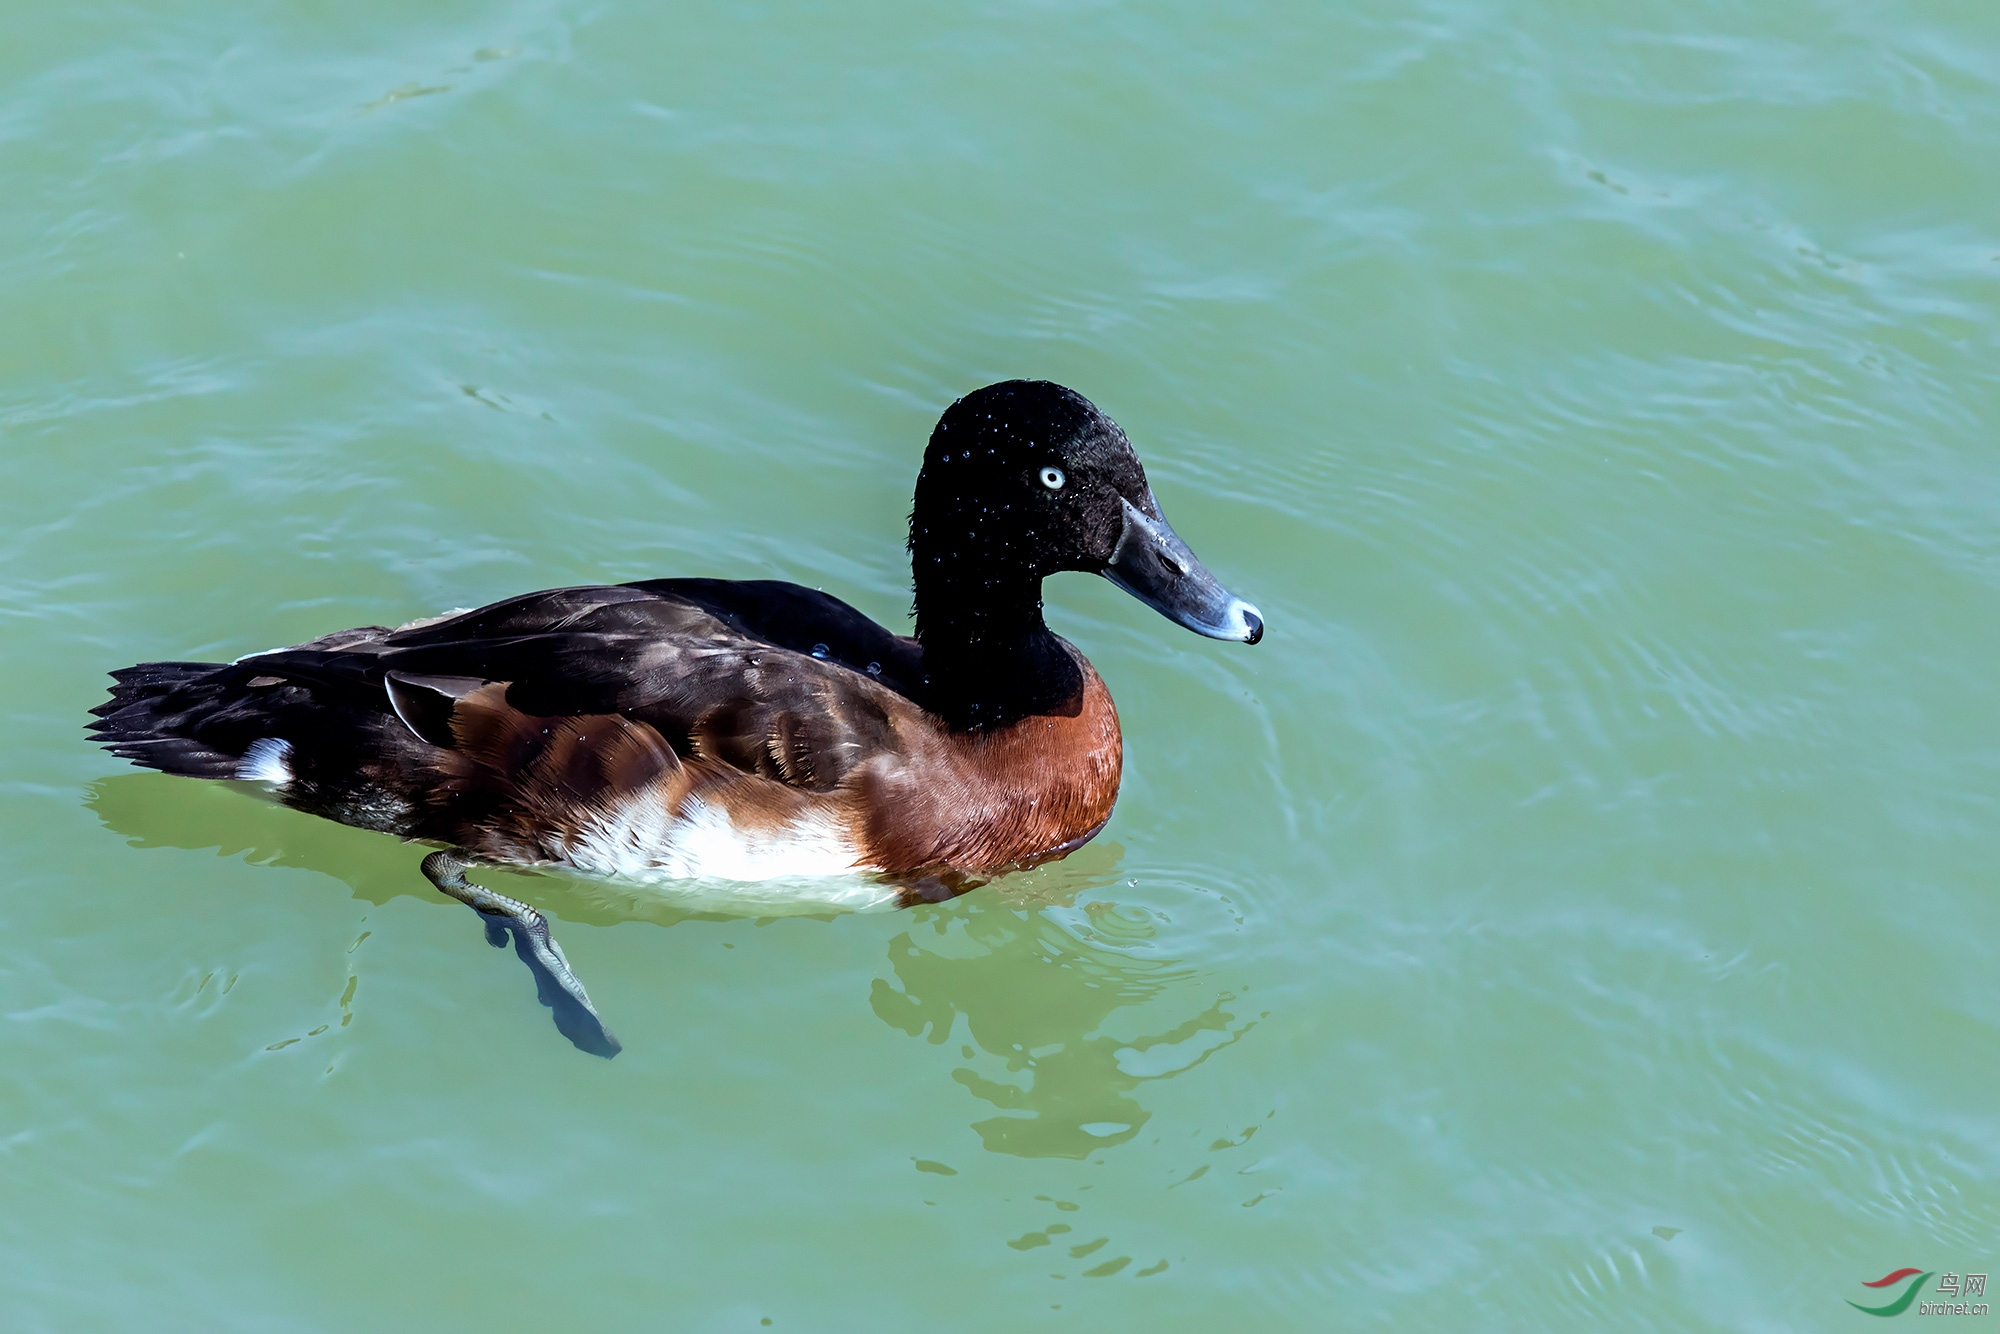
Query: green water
[1578, 914]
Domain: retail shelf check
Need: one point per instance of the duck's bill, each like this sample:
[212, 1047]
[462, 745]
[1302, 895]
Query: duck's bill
[1152, 564]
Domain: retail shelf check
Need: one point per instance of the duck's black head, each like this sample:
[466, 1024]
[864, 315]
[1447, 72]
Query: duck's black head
[1024, 479]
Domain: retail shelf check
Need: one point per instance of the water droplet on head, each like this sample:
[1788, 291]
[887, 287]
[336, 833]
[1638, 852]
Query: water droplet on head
[819, 650]
[874, 669]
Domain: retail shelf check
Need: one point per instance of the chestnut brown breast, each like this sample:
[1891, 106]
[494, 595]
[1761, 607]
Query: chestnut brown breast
[981, 802]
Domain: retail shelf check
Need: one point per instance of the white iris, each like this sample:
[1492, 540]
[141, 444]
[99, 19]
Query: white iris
[1052, 478]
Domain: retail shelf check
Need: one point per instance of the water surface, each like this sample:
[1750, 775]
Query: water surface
[1577, 914]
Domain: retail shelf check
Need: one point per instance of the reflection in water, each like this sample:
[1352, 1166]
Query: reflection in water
[1073, 1007]
[160, 811]
[1059, 1000]
[177, 813]
[239, 820]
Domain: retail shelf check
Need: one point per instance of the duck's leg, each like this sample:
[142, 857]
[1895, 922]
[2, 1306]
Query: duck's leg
[557, 986]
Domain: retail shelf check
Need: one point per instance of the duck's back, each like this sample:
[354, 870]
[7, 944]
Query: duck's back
[747, 730]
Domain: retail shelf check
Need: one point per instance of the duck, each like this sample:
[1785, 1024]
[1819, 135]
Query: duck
[701, 729]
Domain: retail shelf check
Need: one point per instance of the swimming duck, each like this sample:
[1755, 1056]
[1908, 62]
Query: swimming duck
[744, 730]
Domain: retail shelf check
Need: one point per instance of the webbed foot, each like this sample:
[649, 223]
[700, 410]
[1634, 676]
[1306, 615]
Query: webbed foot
[556, 984]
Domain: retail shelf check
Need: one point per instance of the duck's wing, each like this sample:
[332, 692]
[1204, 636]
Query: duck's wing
[805, 620]
[770, 678]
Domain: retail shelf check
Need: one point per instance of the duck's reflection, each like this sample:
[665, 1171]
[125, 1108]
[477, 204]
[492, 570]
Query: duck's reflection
[235, 820]
[1071, 1010]
[1069, 1000]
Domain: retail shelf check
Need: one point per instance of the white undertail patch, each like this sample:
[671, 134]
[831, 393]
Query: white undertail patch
[267, 761]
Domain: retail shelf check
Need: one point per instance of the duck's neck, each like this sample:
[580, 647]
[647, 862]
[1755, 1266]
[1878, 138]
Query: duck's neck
[988, 658]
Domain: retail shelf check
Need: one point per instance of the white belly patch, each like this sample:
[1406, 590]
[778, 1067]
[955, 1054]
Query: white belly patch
[645, 842]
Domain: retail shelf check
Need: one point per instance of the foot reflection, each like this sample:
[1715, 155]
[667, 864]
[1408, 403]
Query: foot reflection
[1072, 1009]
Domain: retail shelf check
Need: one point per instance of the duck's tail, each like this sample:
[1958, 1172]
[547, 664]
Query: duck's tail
[154, 713]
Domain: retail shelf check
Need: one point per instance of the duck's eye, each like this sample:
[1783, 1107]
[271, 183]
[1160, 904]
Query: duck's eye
[1052, 478]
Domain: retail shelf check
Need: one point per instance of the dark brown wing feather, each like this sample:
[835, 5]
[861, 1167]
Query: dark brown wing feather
[515, 785]
[762, 676]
